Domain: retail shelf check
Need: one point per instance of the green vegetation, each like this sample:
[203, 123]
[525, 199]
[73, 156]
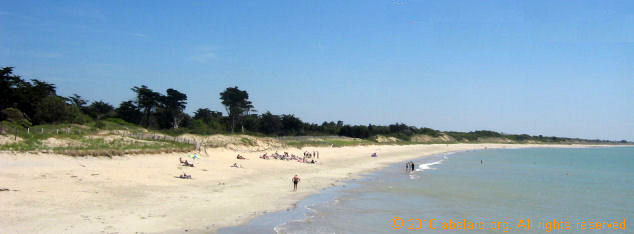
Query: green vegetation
[73, 139]
[300, 142]
[35, 105]
[236, 103]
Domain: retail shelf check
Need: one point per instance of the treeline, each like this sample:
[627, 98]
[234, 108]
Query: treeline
[36, 102]
[484, 134]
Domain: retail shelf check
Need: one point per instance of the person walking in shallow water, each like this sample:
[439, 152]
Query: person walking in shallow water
[413, 166]
[406, 167]
[295, 182]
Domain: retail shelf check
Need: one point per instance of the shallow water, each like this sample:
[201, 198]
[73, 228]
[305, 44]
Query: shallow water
[508, 185]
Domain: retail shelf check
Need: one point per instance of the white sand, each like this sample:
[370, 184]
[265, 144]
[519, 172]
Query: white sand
[139, 193]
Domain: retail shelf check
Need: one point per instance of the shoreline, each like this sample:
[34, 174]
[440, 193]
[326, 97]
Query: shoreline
[305, 208]
[140, 193]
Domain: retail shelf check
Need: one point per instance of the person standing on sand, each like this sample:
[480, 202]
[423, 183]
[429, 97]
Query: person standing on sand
[295, 182]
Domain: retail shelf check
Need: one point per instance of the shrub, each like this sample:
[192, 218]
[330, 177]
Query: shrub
[16, 116]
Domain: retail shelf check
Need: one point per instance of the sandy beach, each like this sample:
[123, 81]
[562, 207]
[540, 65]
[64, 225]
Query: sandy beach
[140, 193]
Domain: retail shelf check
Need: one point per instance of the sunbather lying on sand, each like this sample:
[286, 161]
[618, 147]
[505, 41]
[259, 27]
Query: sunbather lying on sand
[186, 163]
[240, 157]
[236, 165]
[185, 176]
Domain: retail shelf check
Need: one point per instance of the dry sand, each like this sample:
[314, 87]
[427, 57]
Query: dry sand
[139, 193]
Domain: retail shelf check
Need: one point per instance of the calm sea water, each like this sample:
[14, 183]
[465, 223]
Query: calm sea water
[505, 186]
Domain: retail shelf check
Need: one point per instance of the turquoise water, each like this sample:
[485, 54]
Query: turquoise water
[508, 185]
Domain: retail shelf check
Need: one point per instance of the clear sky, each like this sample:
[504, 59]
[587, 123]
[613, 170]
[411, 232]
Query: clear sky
[563, 68]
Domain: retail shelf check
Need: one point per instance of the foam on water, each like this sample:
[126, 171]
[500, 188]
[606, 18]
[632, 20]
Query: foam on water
[427, 166]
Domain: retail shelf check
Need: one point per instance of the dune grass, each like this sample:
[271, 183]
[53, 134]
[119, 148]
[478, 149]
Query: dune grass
[324, 142]
[81, 140]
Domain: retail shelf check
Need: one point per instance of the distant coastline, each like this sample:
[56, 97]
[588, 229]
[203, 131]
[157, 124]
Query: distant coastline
[115, 137]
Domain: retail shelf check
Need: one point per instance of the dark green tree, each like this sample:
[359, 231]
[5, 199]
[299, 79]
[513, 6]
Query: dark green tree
[54, 109]
[251, 123]
[236, 103]
[270, 123]
[99, 110]
[210, 119]
[146, 101]
[129, 112]
[30, 95]
[339, 124]
[292, 125]
[174, 103]
[329, 127]
[207, 115]
[78, 101]
[9, 84]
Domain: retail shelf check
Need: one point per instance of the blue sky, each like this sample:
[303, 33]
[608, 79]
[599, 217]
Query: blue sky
[563, 68]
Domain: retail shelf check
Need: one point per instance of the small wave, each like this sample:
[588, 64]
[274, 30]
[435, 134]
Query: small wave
[310, 212]
[427, 166]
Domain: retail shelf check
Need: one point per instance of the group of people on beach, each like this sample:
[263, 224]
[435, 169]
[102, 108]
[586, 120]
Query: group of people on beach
[314, 154]
[295, 180]
[410, 167]
[239, 157]
[186, 164]
[307, 158]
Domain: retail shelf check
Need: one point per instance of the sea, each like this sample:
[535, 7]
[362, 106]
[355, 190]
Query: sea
[531, 190]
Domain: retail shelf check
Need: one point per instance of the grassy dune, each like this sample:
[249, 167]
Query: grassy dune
[110, 138]
[116, 137]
